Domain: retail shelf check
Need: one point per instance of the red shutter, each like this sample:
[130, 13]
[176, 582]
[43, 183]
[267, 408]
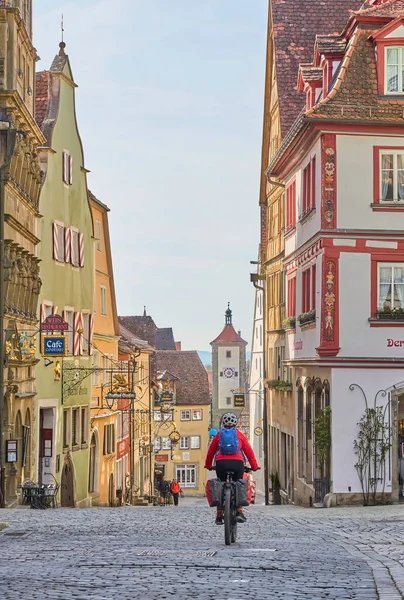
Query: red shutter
[81, 249]
[313, 287]
[91, 334]
[68, 246]
[313, 182]
[77, 337]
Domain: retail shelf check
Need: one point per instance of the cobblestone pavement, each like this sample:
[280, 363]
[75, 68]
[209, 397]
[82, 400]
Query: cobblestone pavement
[151, 553]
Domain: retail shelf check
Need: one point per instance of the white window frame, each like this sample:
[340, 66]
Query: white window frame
[197, 414]
[86, 332]
[84, 424]
[103, 300]
[74, 247]
[185, 480]
[400, 78]
[195, 442]
[105, 366]
[98, 234]
[69, 318]
[395, 154]
[67, 167]
[157, 415]
[67, 432]
[185, 415]
[184, 442]
[95, 376]
[165, 443]
[157, 444]
[382, 265]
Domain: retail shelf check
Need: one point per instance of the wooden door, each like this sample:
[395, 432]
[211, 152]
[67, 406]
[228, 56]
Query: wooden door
[67, 485]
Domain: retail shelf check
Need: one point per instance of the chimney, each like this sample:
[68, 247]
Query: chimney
[178, 346]
[239, 332]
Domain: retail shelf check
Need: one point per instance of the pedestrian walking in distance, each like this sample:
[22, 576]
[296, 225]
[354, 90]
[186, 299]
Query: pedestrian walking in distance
[164, 488]
[175, 490]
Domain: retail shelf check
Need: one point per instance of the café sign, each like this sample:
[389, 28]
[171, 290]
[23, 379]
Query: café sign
[54, 345]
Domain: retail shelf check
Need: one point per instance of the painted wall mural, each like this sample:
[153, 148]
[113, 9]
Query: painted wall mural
[329, 309]
[328, 181]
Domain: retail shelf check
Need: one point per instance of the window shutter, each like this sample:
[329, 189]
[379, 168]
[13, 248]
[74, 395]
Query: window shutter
[76, 336]
[91, 335]
[68, 237]
[43, 313]
[55, 241]
[65, 166]
[81, 249]
[70, 169]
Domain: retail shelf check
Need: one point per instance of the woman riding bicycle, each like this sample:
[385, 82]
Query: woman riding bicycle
[230, 458]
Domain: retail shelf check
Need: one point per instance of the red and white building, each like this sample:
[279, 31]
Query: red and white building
[342, 164]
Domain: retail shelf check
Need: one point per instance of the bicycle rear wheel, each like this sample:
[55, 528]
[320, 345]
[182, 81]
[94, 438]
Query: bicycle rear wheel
[234, 529]
[227, 516]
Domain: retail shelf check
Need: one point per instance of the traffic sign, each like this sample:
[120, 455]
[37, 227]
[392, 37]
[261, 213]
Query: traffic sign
[54, 323]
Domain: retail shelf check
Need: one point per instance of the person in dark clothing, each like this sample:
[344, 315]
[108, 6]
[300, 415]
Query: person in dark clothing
[163, 488]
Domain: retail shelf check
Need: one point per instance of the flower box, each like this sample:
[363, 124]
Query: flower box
[395, 314]
[306, 318]
[280, 386]
[289, 323]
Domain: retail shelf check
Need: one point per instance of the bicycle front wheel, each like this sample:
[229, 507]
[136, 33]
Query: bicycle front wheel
[227, 516]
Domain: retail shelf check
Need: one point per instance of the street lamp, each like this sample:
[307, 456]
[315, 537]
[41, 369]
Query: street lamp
[9, 136]
[255, 278]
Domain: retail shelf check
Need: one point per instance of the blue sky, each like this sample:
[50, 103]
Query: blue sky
[169, 106]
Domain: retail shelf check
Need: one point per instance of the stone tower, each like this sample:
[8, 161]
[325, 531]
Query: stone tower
[228, 369]
[21, 184]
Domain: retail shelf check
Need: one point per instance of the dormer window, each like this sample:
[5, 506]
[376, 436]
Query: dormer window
[394, 83]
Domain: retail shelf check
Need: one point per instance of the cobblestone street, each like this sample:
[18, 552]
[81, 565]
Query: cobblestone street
[163, 552]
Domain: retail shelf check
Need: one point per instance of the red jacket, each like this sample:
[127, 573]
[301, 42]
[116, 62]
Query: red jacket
[243, 445]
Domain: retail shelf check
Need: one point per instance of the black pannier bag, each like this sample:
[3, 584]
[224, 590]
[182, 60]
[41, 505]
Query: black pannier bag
[214, 492]
[242, 492]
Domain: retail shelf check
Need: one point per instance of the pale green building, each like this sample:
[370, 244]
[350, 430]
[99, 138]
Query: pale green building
[67, 270]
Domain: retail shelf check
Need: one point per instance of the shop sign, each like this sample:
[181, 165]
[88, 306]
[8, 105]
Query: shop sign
[120, 396]
[239, 401]
[54, 345]
[166, 397]
[122, 448]
[161, 458]
[54, 323]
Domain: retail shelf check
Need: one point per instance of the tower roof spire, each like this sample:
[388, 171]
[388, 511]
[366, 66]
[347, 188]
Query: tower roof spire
[228, 315]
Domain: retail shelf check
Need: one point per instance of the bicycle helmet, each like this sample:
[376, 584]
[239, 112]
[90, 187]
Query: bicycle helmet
[229, 420]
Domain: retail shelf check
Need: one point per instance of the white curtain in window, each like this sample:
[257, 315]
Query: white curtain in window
[385, 281]
[398, 287]
[400, 176]
[387, 177]
[392, 69]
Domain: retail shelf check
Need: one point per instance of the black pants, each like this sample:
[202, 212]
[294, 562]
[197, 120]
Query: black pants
[175, 496]
[224, 466]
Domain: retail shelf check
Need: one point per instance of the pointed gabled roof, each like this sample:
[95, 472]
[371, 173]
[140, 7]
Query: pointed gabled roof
[192, 384]
[229, 336]
[295, 26]
[388, 8]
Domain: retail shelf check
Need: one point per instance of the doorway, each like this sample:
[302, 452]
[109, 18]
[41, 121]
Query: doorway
[67, 484]
[46, 463]
[111, 495]
[93, 471]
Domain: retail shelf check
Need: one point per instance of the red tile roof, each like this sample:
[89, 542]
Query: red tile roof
[228, 336]
[42, 96]
[193, 385]
[390, 8]
[141, 327]
[296, 24]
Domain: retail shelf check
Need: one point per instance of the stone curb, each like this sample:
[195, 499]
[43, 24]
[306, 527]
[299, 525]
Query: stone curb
[3, 526]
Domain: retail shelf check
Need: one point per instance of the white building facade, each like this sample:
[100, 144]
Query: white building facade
[343, 170]
[256, 387]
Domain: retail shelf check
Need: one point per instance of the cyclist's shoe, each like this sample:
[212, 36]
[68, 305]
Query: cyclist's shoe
[219, 521]
[241, 518]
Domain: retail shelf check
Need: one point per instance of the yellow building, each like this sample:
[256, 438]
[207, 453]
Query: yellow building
[181, 420]
[135, 435]
[102, 479]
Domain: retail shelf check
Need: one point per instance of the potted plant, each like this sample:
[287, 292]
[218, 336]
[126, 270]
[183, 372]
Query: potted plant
[276, 488]
[390, 314]
[289, 323]
[307, 317]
